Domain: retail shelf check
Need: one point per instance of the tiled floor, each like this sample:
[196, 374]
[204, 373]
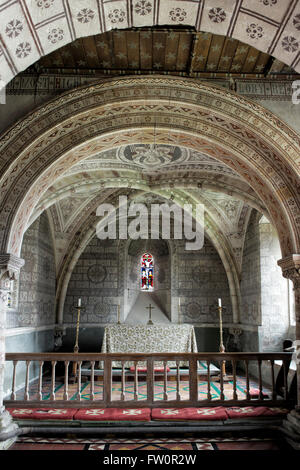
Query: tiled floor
[169, 444]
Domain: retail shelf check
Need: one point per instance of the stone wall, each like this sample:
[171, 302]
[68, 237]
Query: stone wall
[197, 277]
[264, 291]
[35, 305]
[274, 292]
[96, 279]
[200, 280]
[250, 279]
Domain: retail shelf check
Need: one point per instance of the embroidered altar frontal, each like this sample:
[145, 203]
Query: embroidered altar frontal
[157, 338]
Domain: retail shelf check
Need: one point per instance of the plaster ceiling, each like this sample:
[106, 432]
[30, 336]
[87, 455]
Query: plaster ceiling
[32, 29]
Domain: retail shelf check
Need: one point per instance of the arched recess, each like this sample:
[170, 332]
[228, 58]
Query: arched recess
[213, 233]
[31, 29]
[242, 134]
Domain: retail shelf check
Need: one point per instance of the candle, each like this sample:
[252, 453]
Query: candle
[179, 301]
[79, 302]
[220, 303]
[118, 313]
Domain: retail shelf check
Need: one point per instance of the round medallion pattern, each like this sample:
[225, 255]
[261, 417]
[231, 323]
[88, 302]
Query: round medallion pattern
[97, 273]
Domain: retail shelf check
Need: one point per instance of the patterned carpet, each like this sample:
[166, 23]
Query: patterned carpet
[149, 444]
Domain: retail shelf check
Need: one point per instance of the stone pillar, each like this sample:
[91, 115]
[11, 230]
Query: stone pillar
[291, 270]
[10, 266]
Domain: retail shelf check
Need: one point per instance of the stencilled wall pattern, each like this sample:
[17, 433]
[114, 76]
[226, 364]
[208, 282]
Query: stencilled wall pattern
[36, 306]
[197, 277]
[250, 284]
[201, 280]
[95, 280]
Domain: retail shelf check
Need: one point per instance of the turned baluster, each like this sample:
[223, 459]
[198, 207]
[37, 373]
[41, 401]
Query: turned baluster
[52, 396]
[13, 391]
[193, 380]
[222, 396]
[261, 397]
[274, 395]
[150, 380]
[66, 389]
[123, 382]
[247, 380]
[40, 395]
[79, 381]
[107, 382]
[26, 393]
[178, 397]
[208, 381]
[165, 380]
[285, 373]
[235, 397]
[135, 381]
[92, 385]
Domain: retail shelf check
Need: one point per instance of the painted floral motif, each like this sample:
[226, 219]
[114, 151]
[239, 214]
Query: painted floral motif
[296, 22]
[290, 44]
[254, 31]
[86, 15]
[217, 15]
[117, 16]
[44, 3]
[143, 7]
[177, 14]
[23, 50]
[14, 28]
[55, 35]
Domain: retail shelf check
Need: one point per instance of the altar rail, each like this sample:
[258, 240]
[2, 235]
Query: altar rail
[66, 362]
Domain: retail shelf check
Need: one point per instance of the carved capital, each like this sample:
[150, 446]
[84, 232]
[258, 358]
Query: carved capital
[10, 266]
[291, 269]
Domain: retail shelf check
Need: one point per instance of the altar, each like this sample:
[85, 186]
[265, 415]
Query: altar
[158, 338]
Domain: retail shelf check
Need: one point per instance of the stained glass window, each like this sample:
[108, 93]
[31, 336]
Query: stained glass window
[147, 267]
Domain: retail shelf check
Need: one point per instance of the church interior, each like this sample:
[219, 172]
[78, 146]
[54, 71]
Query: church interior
[166, 104]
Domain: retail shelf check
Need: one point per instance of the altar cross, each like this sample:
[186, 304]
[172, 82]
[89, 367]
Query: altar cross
[150, 322]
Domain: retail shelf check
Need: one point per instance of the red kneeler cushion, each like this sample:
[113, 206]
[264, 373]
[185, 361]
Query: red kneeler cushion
[131, 414]
[144, 369]
[114, 414]
[54, 413]
[21, 413]
[189, 414]
[254, 411]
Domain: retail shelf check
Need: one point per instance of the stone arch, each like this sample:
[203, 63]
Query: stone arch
[240, 133]
[31, 30]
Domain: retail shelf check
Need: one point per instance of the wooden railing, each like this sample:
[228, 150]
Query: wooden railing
[234, 362]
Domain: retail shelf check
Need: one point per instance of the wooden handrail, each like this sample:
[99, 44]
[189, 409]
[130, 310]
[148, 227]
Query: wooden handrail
[211, 356]
[108, 359]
